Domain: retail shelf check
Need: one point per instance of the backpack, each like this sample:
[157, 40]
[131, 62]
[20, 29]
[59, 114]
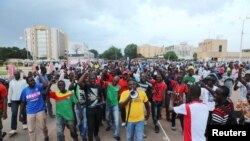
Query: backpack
[234, 117]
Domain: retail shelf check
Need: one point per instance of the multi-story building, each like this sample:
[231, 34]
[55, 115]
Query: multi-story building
[183, 50]
[150, 51]
[45, 43]
[79, 49]
[216, 49]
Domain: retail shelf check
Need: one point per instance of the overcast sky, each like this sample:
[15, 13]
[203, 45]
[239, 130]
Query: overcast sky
[103, 23]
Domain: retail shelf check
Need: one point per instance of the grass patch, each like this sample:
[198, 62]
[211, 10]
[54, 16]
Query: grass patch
[3, 72]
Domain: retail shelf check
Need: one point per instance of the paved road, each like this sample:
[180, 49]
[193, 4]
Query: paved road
[104, 135]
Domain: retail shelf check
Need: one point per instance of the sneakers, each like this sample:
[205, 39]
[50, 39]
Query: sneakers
[108, 128]
[117, 138]
[173, 128]
[25, 127]
[123, 124]
[12, 132]
[157, 129]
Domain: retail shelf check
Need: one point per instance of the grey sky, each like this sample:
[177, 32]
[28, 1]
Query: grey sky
[102, 23]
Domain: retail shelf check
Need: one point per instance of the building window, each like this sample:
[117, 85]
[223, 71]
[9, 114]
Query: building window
[220, 48]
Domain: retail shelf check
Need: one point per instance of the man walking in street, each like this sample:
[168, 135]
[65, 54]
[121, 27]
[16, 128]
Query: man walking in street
[134, 100]
[3, 107]
[32, 97]
[65, 101]
[112, 107]
[195, 116]
[158, 95]
[38, 81]
[94, 94]
[16, 86]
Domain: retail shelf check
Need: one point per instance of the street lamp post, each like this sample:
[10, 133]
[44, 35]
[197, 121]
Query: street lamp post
[241, 39]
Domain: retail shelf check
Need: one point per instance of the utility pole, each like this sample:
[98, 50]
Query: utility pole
[241, 39]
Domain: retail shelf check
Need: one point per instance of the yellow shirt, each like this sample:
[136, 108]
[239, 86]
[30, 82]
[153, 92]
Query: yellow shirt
[137, 105]
[96, 66]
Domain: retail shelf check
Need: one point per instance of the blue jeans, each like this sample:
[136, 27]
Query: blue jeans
[61, 123]
[84, 122]
[156, 111]
[14, 110]
[135, 131]
[115, 111]
[77, 117]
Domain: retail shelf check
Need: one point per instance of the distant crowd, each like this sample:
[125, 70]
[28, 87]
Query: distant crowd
[89, 94]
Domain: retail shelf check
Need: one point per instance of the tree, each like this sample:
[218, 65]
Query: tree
[13, 52]
[62, 57]
[139, 56]
[95, 52]
[131, 51]
[112, 53]
[195, 56]
[76, 48]
[171, 55]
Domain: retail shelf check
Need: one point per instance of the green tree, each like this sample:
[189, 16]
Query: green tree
[95, 52]
[140, 55]
[171, 55]
[195, 56]
[131, 51]
[13, 52]
[113, 53]
[62, 57]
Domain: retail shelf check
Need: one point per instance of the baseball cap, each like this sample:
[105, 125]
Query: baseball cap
[190, 68]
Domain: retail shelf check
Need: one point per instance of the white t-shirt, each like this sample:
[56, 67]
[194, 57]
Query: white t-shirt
[195, 120]
[197, 78]
[207, 98]
[235, 73]
[54, 86]
[243, 91]
[15, 89]
[205, 73]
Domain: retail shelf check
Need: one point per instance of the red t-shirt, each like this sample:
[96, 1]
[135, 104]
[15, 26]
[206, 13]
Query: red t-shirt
[98, 81]
[110, 78]
[222, 70]
[3, 93]
[158, 89]
[124, 86]
[181, 88]
[152, 81]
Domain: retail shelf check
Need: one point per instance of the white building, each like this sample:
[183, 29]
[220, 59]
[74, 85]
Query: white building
[183, 50]
[46, 43]
[79, 49]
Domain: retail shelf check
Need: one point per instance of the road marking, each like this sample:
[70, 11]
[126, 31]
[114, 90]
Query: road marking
[166, 136]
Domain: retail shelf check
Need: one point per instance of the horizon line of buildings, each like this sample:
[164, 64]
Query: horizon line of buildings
[52, 44]
[209, 49]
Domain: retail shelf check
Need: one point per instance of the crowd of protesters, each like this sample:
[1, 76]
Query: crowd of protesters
[92, 93]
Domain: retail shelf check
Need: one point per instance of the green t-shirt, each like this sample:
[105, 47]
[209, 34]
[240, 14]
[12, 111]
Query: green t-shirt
[112, 95]
[64, 102]
[189, 80]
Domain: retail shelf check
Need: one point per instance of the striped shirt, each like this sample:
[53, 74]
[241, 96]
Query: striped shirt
[221, 113]
[146, 87]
